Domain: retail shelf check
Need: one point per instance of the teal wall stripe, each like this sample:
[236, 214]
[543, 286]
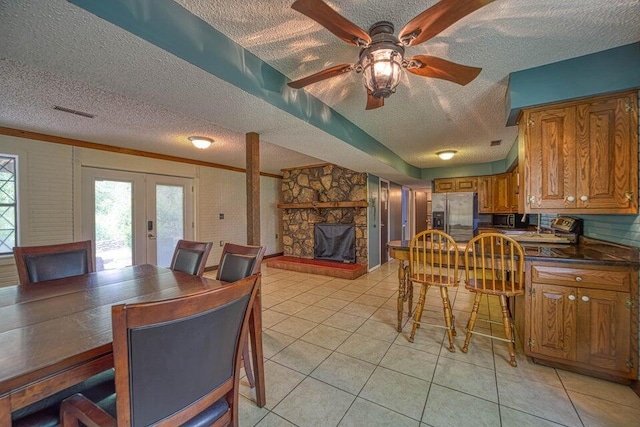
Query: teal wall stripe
[169, 26]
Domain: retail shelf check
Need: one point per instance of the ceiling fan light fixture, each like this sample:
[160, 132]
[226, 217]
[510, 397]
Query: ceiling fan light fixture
[446, 154]
[201, 142]
[381, 71]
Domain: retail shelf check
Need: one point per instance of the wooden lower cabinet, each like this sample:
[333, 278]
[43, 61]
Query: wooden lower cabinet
[583, 317]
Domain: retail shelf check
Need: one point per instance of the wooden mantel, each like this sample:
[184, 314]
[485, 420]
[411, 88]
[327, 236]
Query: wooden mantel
[316, 205]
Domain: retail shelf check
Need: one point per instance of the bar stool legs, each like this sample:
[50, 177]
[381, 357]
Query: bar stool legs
[508, 330]
[449, 319]
[472, 322]
[506, 323]
[417, 315]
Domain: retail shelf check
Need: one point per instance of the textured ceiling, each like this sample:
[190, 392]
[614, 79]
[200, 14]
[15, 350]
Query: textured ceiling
[54, 53]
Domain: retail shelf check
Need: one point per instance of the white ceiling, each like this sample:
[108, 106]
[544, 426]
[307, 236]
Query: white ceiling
[54, 53]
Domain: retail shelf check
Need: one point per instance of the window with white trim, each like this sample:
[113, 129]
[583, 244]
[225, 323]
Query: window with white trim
[8, 204]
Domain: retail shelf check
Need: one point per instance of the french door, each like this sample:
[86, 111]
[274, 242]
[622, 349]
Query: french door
[134, 218]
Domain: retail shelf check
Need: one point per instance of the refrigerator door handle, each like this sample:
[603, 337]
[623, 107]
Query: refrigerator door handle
[446, 218]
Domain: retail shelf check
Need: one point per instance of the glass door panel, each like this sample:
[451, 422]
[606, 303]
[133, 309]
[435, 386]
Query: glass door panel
[113, 224]
[169, 201]
[170, 221]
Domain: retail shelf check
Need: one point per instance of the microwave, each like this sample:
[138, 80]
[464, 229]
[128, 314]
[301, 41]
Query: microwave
[509, 221]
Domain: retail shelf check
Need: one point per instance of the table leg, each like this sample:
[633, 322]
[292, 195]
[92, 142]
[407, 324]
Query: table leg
[405, 291]
[255, 335]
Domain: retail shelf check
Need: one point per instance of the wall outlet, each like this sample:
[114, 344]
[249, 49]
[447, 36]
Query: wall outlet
[221, 242]
[221, 216]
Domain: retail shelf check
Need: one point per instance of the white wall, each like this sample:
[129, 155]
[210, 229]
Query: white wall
[50, 209]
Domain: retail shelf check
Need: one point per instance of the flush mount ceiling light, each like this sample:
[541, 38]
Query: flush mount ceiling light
[446, 154]
[201, 141]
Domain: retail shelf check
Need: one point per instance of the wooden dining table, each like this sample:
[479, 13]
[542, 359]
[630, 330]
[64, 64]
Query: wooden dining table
[57, 333]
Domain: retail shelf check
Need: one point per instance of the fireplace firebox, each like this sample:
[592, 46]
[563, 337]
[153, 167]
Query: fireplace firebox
[335, 242]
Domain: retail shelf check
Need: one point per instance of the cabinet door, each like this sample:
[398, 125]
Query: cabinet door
[606, 155]
[604, 332]
[466, 184]
[515, 191]
[502, 189]
[445, 185]
[550, 159]
[485, 195]
[553, 321]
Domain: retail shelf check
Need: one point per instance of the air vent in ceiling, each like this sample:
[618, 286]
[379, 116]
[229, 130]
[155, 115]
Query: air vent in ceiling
[76, 112]
[496, 142]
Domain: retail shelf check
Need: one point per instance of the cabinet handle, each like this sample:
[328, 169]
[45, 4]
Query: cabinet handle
[578, 279]
[584, 198]
[585, 298]
[571, 199]
[629, 196]
[572, 297]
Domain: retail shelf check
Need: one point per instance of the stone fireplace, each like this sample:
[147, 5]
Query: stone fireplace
[322, 194]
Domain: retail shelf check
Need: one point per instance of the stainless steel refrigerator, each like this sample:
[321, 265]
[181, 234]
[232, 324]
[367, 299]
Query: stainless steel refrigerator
[456, 214]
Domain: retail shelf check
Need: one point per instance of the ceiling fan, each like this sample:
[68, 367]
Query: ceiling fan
[382, 53]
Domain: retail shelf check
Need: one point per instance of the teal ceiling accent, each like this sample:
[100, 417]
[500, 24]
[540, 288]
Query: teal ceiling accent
[599, 73]
[169, 26]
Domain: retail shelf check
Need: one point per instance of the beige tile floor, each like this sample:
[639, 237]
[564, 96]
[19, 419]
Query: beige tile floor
[334, 358]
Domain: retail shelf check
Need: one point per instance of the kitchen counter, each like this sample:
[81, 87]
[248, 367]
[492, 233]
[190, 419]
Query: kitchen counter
[588, 251]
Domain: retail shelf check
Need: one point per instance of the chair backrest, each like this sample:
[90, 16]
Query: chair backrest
[434, 258]
[179, 358]
[40, 263]
[494, 263]
[238, 261]
[191, 257]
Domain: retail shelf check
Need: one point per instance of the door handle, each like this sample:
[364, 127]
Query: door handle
[151, 236]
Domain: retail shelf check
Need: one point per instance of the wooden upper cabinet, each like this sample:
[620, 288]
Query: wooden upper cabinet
[450, 185]
[607, 140]
[582, 157]
[515, 191]
[468, 183]
[502, 188]
[485, 194]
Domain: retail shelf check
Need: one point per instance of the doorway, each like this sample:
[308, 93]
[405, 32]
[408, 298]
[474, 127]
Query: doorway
[134, 218]
[384, 221]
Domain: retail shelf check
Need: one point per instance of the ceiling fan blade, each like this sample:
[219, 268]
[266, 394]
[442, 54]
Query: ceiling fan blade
[437, 18]
[431, 66]
[321, 75]
[320, 12]
[373, 102]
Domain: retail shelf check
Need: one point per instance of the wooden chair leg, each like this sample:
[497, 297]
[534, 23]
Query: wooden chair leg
[506, 320]
[247, 364]
[472, 321]
[417, 315]
[446, 305]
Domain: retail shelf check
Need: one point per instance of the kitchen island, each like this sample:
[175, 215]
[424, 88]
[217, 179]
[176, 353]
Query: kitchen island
[580, 308]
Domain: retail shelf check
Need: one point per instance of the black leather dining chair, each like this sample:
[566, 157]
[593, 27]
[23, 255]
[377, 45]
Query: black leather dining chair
[238, 261]
[41, 263]
[176, 362]
[191, 257]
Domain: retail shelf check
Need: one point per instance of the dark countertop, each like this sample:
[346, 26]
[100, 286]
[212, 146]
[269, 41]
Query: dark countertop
[589, 250]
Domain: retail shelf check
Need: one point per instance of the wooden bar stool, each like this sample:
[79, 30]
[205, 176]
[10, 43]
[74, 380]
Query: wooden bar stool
[494, 265]
[433, 261]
